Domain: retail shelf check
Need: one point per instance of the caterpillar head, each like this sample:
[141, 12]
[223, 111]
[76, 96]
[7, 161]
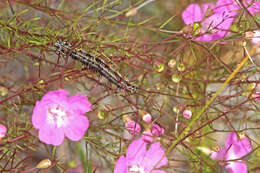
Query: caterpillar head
[62, 47]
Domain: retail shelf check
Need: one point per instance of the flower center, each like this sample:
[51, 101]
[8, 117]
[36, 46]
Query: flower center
[136, 169]
[56, 115]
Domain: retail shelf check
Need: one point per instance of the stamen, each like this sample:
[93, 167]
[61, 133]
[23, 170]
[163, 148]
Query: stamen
[57, 116]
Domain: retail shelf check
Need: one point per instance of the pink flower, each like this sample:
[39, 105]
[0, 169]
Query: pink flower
[57, 115]
[215, 21]
[253, 6]
[187, 114]
[214, 26]
[139, 159]
[235, 148]
[157, 130]
[3, 131]
[132, 127]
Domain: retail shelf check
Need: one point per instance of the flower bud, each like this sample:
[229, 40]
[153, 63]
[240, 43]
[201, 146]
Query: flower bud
[157, 130]
[187, 114]
[46, 163]
[145, 116]
[171, 63]
[131, 12]
[133, 127]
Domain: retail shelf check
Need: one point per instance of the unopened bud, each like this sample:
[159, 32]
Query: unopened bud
[187, 114]
[157, 130]
[133, 127]
[131, 12]
[145, 116]
[46, 163]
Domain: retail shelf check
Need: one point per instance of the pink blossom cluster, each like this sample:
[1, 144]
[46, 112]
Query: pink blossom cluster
[56, 115]
[215, 20]
[153, 130]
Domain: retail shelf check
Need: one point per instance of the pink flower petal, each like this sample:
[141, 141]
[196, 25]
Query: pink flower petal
[216, 24]
[152, 157]
[237, 148]
[121, 166]
[79, 103]
[253, 6]
[58, 95]
[228, 8]
[192, 14]
[237, 167]
[205, 7]
[51, 135]
[137, 158]
[39, 115]
[136, 151]
[220, 155]
[76, 127]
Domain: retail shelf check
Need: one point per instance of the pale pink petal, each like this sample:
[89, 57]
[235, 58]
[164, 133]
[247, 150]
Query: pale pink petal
[237, 167]
[192, 14]
[50, 135]
[76, 128]
[121, 165]
[39, 115]
[153, 156]
[79, 103]
[136, 151]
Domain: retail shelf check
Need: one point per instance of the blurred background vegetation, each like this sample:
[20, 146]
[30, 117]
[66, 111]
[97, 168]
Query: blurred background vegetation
[146, 47]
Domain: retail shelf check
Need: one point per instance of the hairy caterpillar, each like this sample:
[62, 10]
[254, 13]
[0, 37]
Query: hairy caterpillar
[64, 48]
